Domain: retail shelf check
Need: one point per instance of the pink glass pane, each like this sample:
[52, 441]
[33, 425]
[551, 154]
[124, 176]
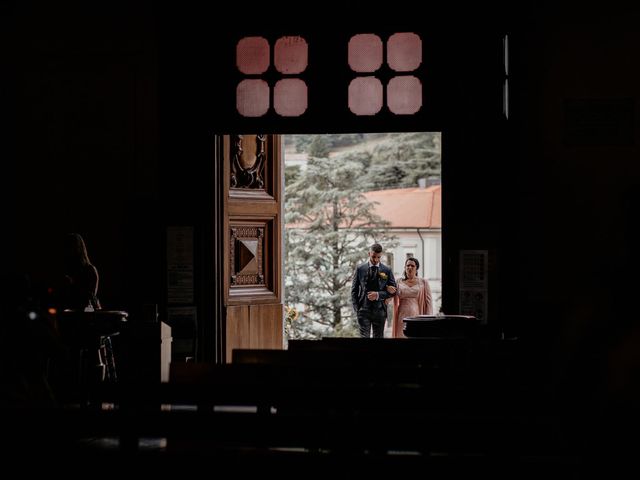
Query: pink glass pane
[404, 95]
[252, 98]
[365, 52]
[290, 97]
[365, 95]
[404, 52]
[291, 55]
[252, 55]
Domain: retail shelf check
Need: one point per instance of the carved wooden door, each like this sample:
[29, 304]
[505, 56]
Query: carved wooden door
[253, 244]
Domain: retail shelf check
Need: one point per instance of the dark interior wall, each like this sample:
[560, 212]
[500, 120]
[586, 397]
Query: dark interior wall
[577, 87]
[85, 144]
[575, 138]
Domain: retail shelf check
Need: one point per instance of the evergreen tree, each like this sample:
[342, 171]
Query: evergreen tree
[319, 147]
[330, 226]
[403, 159]
[291, 173]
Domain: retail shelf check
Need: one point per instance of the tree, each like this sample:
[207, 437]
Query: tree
[403, 159]
[330, 226]
[291, 173]
[319, 147]
[332, 141]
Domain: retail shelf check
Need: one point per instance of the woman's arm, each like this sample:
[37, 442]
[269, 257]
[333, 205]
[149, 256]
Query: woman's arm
[92, 286]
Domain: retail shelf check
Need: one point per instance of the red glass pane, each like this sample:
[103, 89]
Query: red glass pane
[290, 97]
[365, 95]
[365, 52]
[252, 55]
[252, 98]
[404, 95]
[291, 55]
[404, 52]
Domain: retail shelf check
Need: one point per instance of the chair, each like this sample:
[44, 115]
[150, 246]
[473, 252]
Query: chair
[89, 335]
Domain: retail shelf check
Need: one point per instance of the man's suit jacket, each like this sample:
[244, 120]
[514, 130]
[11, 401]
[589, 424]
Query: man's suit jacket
[359, 284]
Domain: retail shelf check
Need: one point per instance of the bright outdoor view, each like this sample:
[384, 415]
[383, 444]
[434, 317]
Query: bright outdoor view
[344, 192]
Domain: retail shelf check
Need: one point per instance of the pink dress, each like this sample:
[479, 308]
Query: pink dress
[410, 301]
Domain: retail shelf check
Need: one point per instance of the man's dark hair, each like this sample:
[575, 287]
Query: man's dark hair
[376, 247]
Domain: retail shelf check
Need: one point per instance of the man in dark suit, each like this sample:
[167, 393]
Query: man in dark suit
[369, 291]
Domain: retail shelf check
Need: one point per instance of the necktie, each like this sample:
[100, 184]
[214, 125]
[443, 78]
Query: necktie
[372, 281]
[373, 272]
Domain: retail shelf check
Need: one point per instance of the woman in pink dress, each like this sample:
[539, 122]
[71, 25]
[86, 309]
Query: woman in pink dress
[413, 297]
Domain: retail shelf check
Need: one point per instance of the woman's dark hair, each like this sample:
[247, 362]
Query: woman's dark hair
[404, 270]
[75, 251]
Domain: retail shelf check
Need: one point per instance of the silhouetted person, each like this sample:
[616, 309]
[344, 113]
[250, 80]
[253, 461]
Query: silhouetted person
[80, 289]
[76, 295]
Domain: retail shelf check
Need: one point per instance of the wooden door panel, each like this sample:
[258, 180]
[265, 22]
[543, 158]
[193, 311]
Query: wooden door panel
[254, 326]
[253, 225]
[265, 327]
[238, 331]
